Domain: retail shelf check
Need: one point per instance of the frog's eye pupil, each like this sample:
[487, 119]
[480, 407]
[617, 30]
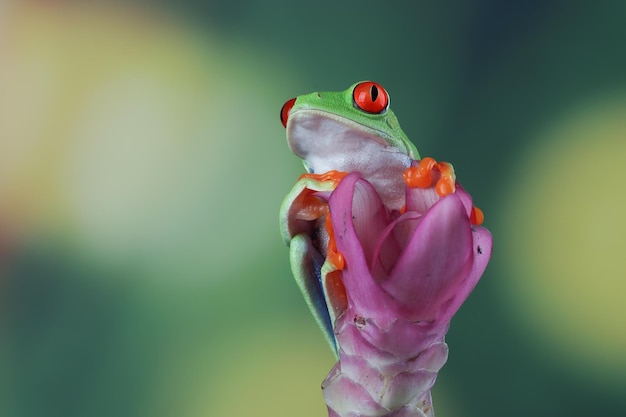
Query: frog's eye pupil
[374, 93]
[370, 97]
[284, 111]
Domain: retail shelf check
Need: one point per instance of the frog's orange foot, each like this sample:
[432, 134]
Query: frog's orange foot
[445, 183]
[334, 176]
[333, 256]
[421, 176]
[477, 217]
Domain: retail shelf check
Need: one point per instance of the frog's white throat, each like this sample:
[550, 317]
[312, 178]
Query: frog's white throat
[326, 141]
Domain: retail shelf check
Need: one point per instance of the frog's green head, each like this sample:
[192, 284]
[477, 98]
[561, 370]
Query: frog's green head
[351, 130]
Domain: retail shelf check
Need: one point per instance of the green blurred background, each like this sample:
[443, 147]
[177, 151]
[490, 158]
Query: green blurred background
[142, 165]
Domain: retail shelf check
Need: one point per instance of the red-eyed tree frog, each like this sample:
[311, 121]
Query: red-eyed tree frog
[335, 133]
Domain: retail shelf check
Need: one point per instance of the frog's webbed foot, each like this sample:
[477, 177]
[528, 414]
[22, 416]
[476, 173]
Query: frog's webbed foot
[423, 176]
[334, 176]
[429, 171]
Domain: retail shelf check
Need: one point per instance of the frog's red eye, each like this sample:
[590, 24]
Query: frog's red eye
[370, 97]
[284, 112]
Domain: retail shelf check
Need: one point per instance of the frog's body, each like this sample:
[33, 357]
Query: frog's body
[351, 130]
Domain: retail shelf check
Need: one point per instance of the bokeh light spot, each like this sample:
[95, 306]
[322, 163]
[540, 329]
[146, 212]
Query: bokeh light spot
[280, 375]
[141, 140]
[564, 236]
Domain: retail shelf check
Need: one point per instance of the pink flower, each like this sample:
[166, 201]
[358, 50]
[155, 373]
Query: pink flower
[388, 282]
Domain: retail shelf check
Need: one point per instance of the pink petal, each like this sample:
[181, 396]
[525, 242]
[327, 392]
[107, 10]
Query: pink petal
[399, 340]
[390, 243]
[353, 342]
[361, 288]
[465, 198]
[403, 338]
[435, 262]
[369, 217]
[420, 199]
[481, 246]
[347, 397]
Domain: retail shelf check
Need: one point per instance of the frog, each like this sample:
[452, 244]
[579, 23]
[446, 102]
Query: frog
[336, 133]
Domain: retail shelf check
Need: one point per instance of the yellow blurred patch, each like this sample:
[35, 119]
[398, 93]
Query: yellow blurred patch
[563, 238]
[279, 375]
[141, 138]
